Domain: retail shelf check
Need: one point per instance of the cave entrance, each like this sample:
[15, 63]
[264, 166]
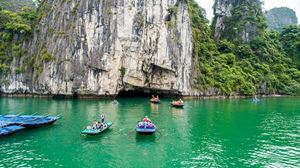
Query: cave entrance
[142, 92]
[138, 93]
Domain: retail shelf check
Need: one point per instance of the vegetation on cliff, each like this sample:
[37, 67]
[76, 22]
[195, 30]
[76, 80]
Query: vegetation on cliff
[262, 66]
[278, 18]
[15, 27]
[268, 64]
[245, 21]
[15, 5]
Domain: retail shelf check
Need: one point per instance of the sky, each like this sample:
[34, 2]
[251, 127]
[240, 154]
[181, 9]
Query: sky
[269, 4]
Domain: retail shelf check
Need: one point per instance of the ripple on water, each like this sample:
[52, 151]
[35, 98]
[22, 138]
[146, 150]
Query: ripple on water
[19, 154]
[222, 133]
[278, 145]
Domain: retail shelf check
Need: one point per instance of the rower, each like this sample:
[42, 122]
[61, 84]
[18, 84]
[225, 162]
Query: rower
[95, 125]
[103, 118]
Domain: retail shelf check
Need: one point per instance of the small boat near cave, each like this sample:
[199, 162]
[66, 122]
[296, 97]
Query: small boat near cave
[95, 131]
[145, 128]
[177, 104]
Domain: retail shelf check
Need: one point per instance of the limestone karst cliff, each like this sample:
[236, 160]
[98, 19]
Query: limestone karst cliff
[103, 47]
[279, 18]
[237, 19]
[99, 47]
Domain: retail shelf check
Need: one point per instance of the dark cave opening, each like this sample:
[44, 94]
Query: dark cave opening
[148, 93]
[138, 93]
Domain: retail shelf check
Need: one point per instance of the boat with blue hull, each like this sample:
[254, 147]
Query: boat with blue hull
[28, 120]
[37, 122]
[145, 128]
[4, 124]
[95, 131]
[10, 130]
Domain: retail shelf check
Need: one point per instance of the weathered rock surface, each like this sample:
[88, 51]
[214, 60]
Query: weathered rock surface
[278, 18]
[99, 47]
[236, 19]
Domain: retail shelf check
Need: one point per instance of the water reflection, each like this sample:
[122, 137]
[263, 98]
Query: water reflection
[154, 108]
[178, 112]
[143, 138]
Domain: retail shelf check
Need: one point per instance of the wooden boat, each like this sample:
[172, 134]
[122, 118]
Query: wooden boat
[28, 120]
[90, 131]
[5, 124]
[10, 130]
[37, 122]
[177, 104]
[145, 128]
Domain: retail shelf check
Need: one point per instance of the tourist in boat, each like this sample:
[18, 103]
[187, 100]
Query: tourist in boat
[102, 118]
[153, 98]
[101, 126]
[146, 119]
[180, 101]
[95, 124]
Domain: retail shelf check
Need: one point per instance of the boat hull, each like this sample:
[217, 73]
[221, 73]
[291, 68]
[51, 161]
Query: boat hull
[8, 130]
[28, 121]
[177, 105]
[96, 131]
[145, 130]
[31, 125]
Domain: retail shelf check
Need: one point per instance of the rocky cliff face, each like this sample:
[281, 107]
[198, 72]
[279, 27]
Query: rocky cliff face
[278, 18]
[99, 47]
[237, 20]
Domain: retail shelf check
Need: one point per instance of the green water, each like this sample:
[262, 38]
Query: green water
[206, 133]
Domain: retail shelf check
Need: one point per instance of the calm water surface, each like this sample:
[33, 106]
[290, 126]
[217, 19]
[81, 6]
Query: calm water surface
[206, 133]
